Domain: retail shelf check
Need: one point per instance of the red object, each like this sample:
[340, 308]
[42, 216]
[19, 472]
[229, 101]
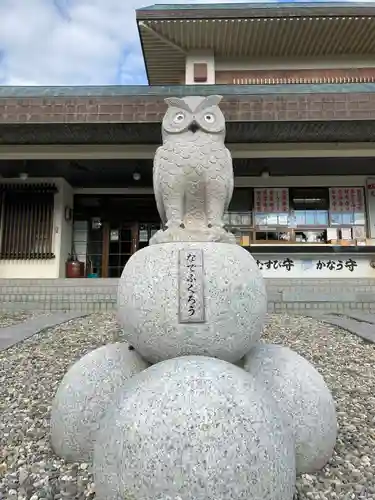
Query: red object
[75, 269]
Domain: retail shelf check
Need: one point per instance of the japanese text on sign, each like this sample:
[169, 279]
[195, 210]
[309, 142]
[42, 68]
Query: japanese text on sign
[271, 200]
[346, 199]
[337, 265]
[286, 264]
[191, 296]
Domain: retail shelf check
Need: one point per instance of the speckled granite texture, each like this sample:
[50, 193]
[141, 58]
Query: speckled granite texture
[85, 393]
[234, 295]
[303, 398]
[194, 428]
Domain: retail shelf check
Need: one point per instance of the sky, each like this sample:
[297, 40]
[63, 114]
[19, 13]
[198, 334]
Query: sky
[72, 42]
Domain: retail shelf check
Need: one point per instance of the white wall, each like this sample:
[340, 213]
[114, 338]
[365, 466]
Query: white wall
[200, 57]
[292, 63]
[62, 237]
[306, 266]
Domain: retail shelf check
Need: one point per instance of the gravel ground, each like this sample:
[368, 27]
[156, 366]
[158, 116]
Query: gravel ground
[30, 373]
[13, 318]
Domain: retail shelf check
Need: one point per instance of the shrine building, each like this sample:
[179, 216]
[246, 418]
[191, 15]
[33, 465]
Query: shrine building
[298, 87]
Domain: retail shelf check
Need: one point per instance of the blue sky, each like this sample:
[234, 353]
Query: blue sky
[71, 42]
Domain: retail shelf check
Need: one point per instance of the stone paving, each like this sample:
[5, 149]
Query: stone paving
[11, 335]
[358, 322]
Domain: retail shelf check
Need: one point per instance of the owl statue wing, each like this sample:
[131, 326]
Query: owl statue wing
[230, 185]
[158, 169]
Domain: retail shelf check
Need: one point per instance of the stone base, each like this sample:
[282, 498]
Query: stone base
[194, 428]
[84, 394]
[216, 430]
[204, 234]
[155, 299]
[303, 398]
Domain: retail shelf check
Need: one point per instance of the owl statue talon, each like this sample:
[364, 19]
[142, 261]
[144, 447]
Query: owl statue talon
[193, 171]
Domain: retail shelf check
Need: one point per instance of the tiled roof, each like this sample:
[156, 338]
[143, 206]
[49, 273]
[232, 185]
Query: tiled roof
[181, 90]
[254, 5]
[317, 7]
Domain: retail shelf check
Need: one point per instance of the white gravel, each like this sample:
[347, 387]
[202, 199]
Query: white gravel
[30, 373]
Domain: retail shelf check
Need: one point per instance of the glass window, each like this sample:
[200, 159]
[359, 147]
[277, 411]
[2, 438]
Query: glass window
[322, 217]
[271, 219]
[348, 218]
[310, 206]
[347, 207]
[311, 217]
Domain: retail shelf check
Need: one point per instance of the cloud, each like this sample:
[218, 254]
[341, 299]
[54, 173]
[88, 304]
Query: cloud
[71, 42]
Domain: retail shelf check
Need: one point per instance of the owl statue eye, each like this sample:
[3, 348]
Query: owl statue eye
[209, 117]
[179, 117]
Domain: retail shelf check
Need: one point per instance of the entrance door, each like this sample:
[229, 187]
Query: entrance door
[120, 242]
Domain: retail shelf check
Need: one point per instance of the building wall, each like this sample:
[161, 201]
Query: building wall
[304, 265]
[62, 234]
[200, 57]
[94, 295]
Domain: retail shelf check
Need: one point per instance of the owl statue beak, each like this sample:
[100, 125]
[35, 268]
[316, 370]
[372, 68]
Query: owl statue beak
[194, 126]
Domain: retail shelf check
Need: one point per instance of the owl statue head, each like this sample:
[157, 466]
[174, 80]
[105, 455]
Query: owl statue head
[193, 114]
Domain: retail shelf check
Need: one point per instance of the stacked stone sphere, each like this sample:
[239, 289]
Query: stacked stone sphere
[193, 407]
[194, 425]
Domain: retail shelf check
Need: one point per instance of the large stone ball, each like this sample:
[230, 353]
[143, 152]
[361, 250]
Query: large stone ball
[229, 301]
[304, 399]
[84, 394]
[194, 427]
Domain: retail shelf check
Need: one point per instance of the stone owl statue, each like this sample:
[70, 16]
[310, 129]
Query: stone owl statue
[193, 172]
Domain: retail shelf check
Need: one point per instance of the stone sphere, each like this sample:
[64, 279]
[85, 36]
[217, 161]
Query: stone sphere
[304, 399]
[194, 427]
[84, 394]
[229, 291]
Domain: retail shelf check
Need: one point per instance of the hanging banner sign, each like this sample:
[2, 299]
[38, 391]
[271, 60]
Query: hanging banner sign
[271, 200]
[346, 199]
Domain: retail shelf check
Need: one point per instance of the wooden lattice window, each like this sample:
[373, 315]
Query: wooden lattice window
[26, 221]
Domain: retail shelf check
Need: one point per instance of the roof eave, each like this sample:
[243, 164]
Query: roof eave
[143, 53]
[249, 11]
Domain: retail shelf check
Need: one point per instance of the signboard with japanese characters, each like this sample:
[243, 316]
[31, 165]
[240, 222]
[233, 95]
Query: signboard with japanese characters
[271, 200]
[346, 199]
[191, 284]
[327, 266]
